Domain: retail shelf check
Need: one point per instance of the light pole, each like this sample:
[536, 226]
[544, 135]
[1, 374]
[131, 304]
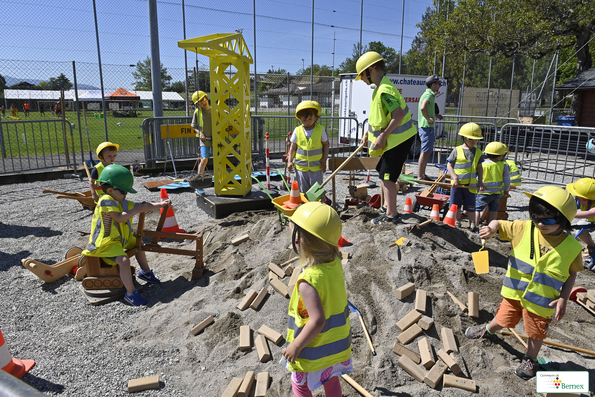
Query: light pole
[303, 65]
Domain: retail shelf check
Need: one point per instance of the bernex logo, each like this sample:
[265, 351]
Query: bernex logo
[562, 381]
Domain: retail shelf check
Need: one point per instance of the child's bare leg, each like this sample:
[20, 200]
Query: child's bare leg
[203, 165]
[533, 348]
[493, 215]
[493, 326]
[587, 239]
[141, 258]
[125, 273]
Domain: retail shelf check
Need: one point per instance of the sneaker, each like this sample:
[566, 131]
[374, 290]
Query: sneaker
[528, 368]
[200, 191]
[591, 264]
[472, 227]
[382, 209]
[477, 332]
[384, 219]
[427, 178]
[458, 223]
[135, 298]
[149, 277]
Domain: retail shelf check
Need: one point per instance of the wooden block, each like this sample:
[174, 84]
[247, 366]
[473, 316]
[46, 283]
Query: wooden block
[279, 287]
[245, 340]
[405, 290]
[150, 382]
[232, 388]
[270, 334]
[410, 318]
[277, 270]
[409, 334]
[344, 255]
[262, 294]
[425, 322]
[473, 304]
[240, 240]
[426, 353]
[246, 385]
[272, 276]
[461, 383]
[458, 302]
[289, 270]
[250, 296]
[591, 295]
[202, 325]
[262, 348]
[421, 298]
[581, 297]
[411, 368]
[401, 350]
[433, 377]
[448, 340]
[262, 384]
[449, 361]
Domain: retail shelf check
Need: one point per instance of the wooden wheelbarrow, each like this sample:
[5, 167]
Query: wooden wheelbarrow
[84, 198]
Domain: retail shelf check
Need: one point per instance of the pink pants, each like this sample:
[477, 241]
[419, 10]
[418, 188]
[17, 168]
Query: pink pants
[332, 388]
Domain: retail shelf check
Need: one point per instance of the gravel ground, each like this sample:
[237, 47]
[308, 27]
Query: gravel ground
[83, 350]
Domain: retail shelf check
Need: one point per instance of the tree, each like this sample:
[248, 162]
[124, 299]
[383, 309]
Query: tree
[43, 85]
[319, 70]
[391, 58]
[59, 83]
[178, 86]
[278, 71]
[204, 82]
[142, 76]
[2, 86]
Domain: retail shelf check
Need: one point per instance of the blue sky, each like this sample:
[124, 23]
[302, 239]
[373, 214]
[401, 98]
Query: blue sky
[64, 30]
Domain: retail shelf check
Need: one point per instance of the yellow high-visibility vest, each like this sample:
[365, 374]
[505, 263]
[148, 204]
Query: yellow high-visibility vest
[309, 151]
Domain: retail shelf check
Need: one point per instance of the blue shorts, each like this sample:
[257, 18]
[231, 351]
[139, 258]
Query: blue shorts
[206, 152]
[462, 196]
[492, 201]
[426, 135]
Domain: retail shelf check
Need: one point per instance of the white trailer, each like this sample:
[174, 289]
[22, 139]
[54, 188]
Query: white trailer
[355, 97]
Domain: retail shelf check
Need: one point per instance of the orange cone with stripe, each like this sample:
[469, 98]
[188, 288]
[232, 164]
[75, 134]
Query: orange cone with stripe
[15, 367]
[408, 206]
[171, 224]
[451, 217]
[295, 198]
[435, 214]
[343, 241]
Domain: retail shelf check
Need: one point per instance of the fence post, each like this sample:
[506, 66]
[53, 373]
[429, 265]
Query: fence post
[554, 86]
[78, 113]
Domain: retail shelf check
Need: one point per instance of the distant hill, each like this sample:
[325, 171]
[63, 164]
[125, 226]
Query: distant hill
[10, 81]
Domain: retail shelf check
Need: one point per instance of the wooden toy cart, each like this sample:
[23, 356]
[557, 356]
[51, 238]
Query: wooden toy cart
[84, 198]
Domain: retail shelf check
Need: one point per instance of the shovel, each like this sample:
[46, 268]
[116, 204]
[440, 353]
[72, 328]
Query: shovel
[410, 179]
[481, 259]
[316, 192]
[354, 310]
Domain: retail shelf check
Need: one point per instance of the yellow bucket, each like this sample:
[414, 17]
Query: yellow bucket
[481, 261]
[278, 202]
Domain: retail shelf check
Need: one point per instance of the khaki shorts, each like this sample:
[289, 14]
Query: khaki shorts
[510, 313]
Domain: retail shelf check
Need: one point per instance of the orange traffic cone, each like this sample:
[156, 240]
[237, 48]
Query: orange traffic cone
[343, 241]
[171, 224]
[408, 206]
[15, 367]
[295, 198]
[451, 216]
[435, 214]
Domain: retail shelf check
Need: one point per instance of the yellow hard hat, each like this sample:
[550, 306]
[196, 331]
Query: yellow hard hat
[584, 187]
[558, 198]
[197, 96]
[365, 61]
[103, 146]
[495, 148]
[471, 131]
[308, 105]
[319, 220]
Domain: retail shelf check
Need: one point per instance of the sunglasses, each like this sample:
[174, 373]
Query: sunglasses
[124, 192]
[545, 221]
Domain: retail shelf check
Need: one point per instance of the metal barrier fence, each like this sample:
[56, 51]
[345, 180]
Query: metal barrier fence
[37, 144]
[547, 153]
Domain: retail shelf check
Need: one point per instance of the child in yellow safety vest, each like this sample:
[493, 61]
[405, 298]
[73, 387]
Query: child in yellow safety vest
[106, 153]
[319, 331]
[462, 167]
[309, 146]
[541, 272]
[111, 229]
[493, 180]
[584, 191]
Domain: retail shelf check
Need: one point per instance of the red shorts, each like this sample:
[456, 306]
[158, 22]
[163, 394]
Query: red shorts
[510, 313]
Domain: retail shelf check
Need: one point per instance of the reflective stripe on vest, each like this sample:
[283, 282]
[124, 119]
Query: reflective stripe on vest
[537, 282]
[333, 343]
[309, 151]
[379, 120]
[515, 173]
[119, 231]
[464, 169]
[198, 113]
[493, 177]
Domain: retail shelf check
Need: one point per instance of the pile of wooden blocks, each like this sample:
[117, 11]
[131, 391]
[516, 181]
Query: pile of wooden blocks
[243, 387]
[432, 370]
[587, 300]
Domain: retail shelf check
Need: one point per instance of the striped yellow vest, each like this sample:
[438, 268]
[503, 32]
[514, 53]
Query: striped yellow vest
[309, 151]
[493, 177]
[466, 170]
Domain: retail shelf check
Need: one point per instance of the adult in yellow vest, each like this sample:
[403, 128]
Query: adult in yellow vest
[493, 180]
[584, 191]
[541, 272]
[309, 146]
[391, 131]
[106, 153]
[319, 331]
[201, 124]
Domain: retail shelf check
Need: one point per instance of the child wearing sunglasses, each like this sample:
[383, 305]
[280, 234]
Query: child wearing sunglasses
[541, 272]
[584, 191]
[111, 229]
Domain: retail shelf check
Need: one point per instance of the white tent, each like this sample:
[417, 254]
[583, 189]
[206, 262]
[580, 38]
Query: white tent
[84, 95]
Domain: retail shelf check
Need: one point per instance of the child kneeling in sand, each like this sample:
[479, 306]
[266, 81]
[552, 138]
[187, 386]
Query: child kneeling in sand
[111, 230]
[319, 331]
[542, 268]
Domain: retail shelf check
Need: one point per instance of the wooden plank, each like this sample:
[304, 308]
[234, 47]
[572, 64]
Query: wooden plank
[435, 375]
[356, 163]
[461, 383]
[245, 342]
[425, 351]
[277, 270]
[405, 290]
[409, 334]
[239, 240]
[421, 297]
[202, 325]
[458, 302]
[425, 322]
[155, 184]
[270, 334]
[246, 385]
[150, 382]
[401, 350]
[233, 387]
[279, 286]
[473, 303]
[449, 361]
[262, 348]
[410, 318]
[448, 340]
[259, 298]
[411, 368]
[245, 303]
[262, 384]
